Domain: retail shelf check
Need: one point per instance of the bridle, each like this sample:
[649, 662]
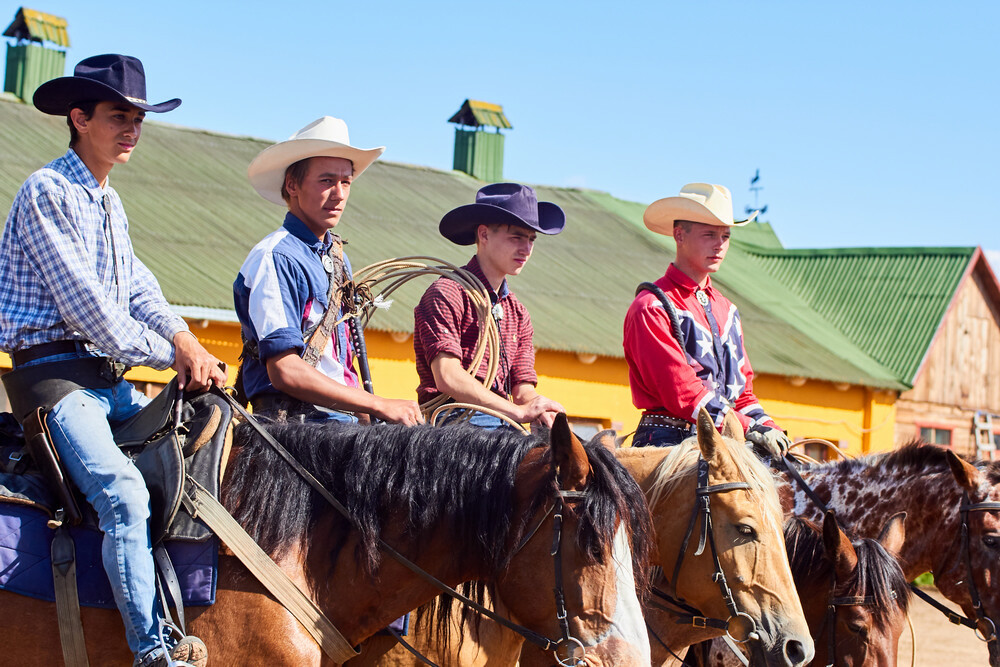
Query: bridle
[984, 621]
[831, 615]
[567, 643]
[701, 515]
[991, 638]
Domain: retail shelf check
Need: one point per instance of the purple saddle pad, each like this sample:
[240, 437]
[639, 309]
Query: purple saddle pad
[26, 568]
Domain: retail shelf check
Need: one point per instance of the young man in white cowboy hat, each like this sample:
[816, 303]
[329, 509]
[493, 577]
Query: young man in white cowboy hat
[78, 307]
[298, 361]
[503, 223]
[684, 346]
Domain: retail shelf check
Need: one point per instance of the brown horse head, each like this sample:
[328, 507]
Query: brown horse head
[603, 519]
[747, 526]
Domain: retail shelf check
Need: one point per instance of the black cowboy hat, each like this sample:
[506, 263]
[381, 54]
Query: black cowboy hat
[503, 204]
[111, 78]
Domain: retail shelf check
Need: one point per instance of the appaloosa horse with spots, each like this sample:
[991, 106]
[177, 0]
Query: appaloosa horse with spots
[932, 485]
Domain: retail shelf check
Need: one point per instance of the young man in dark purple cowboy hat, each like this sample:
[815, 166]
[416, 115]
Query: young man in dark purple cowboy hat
[79, 304]
[503, 224]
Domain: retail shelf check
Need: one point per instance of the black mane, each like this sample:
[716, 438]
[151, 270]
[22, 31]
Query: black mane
[460, 478]
[915, 455]
[878, 574]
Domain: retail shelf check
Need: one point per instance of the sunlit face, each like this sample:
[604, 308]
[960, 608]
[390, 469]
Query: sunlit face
[505, 248]
[701, 247]
[320, 198]
[111, 133]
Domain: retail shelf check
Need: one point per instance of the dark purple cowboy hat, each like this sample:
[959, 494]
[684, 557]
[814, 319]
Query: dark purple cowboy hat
[502, 204]
[110, 78]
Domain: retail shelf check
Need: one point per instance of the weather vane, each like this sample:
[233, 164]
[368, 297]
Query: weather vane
[755, 189]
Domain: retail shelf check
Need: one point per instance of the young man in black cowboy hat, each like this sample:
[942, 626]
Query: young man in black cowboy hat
[79, 306]
[503, 223]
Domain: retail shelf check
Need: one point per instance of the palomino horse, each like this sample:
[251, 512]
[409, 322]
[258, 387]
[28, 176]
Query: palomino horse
[747, 531]
[462, 503]
[931, 484]
[854, 594]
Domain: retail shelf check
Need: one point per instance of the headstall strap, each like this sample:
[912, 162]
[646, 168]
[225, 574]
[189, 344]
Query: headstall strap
[989, 636]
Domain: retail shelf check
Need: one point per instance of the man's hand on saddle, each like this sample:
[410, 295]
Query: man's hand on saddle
[196, 367]
[540, 410]
[398, 411]
[771, 441]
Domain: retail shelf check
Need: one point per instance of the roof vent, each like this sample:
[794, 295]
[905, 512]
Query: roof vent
[477, 152]
[29, 63]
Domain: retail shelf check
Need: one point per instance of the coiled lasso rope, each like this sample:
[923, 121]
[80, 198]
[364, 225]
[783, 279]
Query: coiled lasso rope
[375, 283]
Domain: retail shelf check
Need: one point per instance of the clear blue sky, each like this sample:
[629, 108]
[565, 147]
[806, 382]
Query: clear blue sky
[872, 123]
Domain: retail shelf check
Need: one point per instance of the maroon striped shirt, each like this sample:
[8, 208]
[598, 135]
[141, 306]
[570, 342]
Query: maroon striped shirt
[445, 321]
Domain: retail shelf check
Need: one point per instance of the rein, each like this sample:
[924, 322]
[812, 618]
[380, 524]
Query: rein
[567, 641]
[702, 514]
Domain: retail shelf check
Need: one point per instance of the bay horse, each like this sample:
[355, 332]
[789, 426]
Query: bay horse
[755, 563]
[462, 503]
[854, 594]
[930, 483]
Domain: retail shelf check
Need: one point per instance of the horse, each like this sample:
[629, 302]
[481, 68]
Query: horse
[462, 503]
[854, 594]
[931, 484]
[747, 530]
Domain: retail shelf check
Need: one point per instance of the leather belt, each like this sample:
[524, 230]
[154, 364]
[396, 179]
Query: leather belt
[22, 357]
[663, 420]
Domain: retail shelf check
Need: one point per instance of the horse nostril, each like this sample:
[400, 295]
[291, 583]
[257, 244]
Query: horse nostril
[795, 653]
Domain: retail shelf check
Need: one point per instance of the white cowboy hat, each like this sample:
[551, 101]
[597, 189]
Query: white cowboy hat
[698, 202]
[326, 137]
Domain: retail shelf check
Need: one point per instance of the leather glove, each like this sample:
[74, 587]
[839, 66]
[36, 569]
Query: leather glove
[770, 440]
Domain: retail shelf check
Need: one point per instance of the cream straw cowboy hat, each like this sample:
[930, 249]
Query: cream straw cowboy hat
[326, 137]
[698, 202]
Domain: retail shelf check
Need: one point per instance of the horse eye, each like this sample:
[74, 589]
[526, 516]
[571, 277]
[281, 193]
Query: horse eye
[858, 628]
[747, 531]
[991, 541]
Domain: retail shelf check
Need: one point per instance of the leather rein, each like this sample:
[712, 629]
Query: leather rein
[567, 642]
[701, 515]
[788, 465]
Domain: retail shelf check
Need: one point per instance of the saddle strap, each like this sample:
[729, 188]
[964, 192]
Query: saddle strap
[202, 505]
[63, 553]
[170, 593]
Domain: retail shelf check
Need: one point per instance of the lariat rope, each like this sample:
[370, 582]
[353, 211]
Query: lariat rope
[375, 283]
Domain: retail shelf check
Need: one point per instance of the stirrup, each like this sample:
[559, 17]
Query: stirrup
[165, 647]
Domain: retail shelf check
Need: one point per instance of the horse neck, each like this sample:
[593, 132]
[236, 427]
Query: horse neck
[865, 497]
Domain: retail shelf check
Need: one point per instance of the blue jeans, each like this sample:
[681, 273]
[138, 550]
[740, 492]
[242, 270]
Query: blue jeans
[81, 434]
[478, 419]
[659, 436]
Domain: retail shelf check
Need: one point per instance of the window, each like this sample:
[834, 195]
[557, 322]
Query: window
[937, 436]
[584, 428]
[820, 452]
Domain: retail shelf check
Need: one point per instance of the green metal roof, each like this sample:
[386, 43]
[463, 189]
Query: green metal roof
[38, 26]
[889, 301]
[193, 218]
[475, 114]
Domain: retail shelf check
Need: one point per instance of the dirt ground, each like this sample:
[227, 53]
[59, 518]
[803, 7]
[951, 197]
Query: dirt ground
[939, 642]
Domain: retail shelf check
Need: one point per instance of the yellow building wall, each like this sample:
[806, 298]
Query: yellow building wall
[595, 389]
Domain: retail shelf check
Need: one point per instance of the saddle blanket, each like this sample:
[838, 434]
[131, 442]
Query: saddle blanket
[26, 567]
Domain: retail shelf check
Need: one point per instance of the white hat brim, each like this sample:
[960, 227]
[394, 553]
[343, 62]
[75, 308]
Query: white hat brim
[267, 171]
[661, 214]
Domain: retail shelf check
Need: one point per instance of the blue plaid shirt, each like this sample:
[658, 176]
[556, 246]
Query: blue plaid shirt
[68, 271]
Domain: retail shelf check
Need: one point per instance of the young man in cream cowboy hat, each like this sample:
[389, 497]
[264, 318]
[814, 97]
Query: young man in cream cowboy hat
[503, 223]
[78, 307]
[296, 363]
[699, 360]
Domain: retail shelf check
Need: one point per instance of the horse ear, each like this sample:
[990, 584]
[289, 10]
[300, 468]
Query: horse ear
[709, 439]
[893, 534]
[966, 474]
[838, 547]
[607, 439]
[732, 428]
[569, 455]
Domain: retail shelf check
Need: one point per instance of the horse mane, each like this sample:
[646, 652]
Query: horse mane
[916, 455]
[681, 465]
[458, 478]
[877, 575]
